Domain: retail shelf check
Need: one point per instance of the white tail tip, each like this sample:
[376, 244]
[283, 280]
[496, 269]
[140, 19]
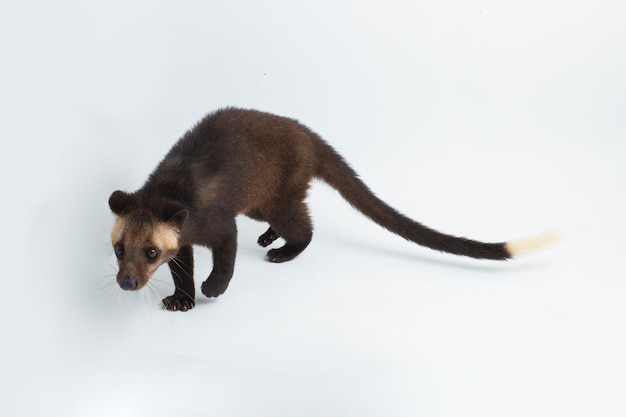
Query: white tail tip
[530, 244]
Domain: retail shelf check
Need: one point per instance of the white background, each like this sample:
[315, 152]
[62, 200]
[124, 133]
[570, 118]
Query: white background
[488, 119]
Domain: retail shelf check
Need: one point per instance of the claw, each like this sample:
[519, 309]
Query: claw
[172, 304]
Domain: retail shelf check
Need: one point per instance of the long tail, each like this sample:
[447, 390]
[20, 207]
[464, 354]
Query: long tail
[334, 170]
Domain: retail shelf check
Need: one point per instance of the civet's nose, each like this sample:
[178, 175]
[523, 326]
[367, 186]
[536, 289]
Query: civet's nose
[129, 283]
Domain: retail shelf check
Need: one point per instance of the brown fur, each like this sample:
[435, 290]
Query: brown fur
[244, 162]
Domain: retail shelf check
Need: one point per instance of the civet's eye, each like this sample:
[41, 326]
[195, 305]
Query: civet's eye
[119, 250]
[152, 253]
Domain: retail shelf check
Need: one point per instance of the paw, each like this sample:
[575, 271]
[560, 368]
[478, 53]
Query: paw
[280, 255]
[213, 289]
[267, 238]
[175, 304]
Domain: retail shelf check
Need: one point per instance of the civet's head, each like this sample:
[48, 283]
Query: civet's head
[143, 237]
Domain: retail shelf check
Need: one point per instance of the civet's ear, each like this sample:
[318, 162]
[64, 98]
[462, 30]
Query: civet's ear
[121, 202]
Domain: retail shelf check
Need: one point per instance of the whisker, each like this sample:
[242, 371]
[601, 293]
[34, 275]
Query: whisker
[155, 290]
[161, 281]
[192, 296]
[146, 296]
[121, 294]
[181, 264]
[108, 285]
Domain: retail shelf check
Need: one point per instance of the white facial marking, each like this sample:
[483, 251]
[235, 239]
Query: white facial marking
[118, 229]
[166, 237]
